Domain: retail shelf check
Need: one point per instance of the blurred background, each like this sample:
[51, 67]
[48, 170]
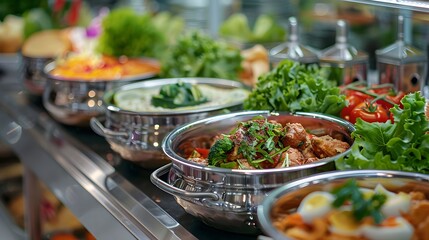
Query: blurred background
[371, 27]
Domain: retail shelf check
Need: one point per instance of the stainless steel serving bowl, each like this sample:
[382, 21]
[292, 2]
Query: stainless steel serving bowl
[226, 198]
[76, 101]
[288, 197]
[33, 77]
[137, 136]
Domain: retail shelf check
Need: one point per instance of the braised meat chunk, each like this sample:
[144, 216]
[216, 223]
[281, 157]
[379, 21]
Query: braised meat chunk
[326, 146]
[262, 144]
[295, 136]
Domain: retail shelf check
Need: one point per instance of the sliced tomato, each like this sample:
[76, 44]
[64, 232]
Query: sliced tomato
[369, 112]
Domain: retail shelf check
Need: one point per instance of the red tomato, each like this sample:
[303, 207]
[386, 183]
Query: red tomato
[369, 112]
[203, 151]
[357, 93]
[353, 101]
[396, 99]
[380, 90]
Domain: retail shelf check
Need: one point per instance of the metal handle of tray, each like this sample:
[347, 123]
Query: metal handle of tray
[154, 177]
[101, 130]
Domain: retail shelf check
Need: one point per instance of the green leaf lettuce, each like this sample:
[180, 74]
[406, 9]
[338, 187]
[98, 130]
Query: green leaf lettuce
[403, 145]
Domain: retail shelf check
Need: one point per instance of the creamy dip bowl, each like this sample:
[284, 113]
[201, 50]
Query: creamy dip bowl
[135, 128]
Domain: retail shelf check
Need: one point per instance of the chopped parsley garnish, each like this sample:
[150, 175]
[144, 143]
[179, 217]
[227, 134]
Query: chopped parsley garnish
[257, 141]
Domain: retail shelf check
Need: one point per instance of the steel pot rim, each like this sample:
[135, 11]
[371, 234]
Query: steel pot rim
[51, 65]
[264, 209]
[178, 160]
[107, 102]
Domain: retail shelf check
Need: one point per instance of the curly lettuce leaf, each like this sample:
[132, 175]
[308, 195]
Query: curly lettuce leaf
[403, 145]
[130, 34]
[293, 87]
[197, 55]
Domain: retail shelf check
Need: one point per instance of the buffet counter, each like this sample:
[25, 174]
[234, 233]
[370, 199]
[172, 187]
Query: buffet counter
[112, 198]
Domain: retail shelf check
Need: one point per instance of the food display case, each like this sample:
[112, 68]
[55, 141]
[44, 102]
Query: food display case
[112, 198]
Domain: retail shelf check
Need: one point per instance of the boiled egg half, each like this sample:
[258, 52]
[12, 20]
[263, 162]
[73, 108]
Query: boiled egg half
[401, 229]
[315, 205]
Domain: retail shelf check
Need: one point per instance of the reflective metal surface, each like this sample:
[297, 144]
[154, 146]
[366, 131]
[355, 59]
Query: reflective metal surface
[112, 198]
[290, 195]
[34, 78]
[239, 192]
[84, 182]
[76, 101]
[137, 136]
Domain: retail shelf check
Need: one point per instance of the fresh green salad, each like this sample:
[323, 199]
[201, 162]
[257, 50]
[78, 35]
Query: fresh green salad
[127, 33]
[293, 87]
[197, 55]
[402, 145]
[265, 29]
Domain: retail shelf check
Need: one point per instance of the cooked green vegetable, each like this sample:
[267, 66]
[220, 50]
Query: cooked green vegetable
[127, 33]
[218, 151]
[293, 87]
[361, 207]
[403, 145]
[178, 95]
[197, 55]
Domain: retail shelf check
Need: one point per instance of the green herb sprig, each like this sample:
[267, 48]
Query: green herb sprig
[259, 143]
[361, 207]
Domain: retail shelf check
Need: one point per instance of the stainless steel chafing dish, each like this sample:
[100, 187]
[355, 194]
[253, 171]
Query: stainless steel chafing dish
[76, 101]
[137, 136]
[226, 198]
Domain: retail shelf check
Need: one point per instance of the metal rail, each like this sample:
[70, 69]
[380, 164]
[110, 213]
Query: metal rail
[106, 204]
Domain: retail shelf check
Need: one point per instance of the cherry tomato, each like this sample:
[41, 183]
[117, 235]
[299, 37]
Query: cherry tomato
[353, 101]
[357, 93]
[381, 90]
[369, 112]
[396, 99]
